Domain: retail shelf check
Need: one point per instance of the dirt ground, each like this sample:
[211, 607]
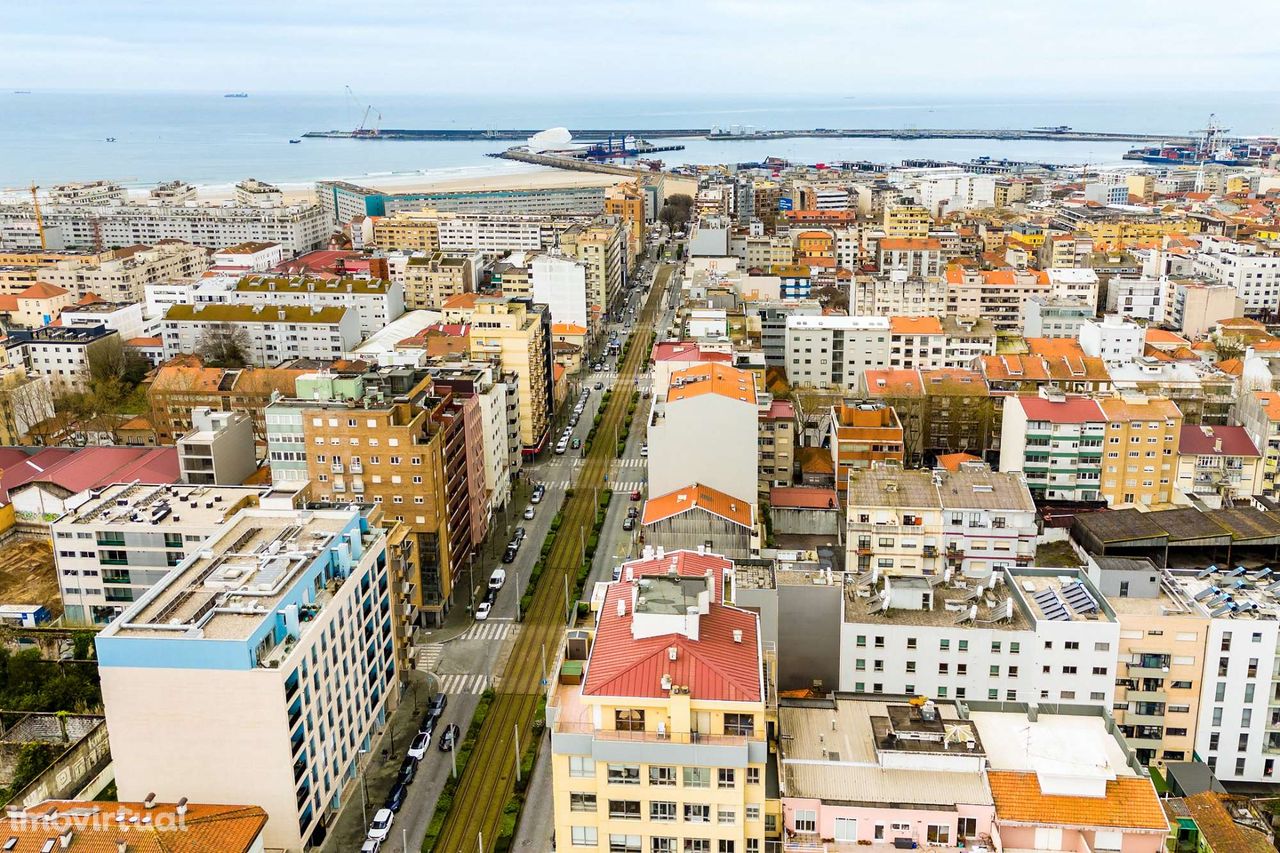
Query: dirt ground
[27, 574]
[1058, 555]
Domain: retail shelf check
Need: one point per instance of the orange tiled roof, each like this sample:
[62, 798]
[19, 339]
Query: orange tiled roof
[180, 379]
[712, 378]
[1060, 347]
[893, 383]
[1164, 336]
[1130, 803]
[144, 342]
[567, 329]
[815, 460]
[1219, 829]
[697, 496]
[953, 461]
[226, 829]
[460, 301]
[1231, 366]
[910, 244]
[1270, 401]
[915, 325]
[43, 290]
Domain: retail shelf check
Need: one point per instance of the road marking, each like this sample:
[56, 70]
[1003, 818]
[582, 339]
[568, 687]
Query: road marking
[465, 682]
[489, 631]
[429, 656]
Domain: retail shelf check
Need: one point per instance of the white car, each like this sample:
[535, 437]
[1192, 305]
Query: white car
[417, 749]
[644, 450]
[483, 610]
[371, 845]
[381, 826]
[497, 579]
[528, 513]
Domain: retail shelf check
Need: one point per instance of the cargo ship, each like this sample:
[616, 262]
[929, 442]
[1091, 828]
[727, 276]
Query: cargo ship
[1212, 145]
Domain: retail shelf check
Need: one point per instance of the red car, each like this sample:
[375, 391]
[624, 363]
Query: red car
[635, 495]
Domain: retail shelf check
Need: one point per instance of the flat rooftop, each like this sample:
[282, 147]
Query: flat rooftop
[1230, 591]
[237, 578]
[669, 595]
[970, 487]
[1065, 744]
[169, 507]
[953, 602]
[1061, 598]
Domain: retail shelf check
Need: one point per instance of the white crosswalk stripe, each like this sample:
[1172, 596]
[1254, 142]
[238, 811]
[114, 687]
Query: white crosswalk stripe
[489, 631]
[466, 682]
[626, 485]
[631, 463]
[429, 656]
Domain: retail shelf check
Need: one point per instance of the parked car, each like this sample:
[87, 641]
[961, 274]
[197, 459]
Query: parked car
[617, 573]
[520, 533]
[490, 597]
[437, 704]
[628, 523]
[576, 443]
[395, 797]
[381, 826]
[632, 511]
[483, 609]
[418, 747]
[528, 512]
[635, 494]
[561, 447]
[509, 555]
[427, 726]
[644, 450]
[408, 770]
[449, 737]
[371, 845]
[499, 577]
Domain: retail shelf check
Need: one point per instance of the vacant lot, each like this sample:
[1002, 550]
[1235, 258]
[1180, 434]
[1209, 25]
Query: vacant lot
[27, 574]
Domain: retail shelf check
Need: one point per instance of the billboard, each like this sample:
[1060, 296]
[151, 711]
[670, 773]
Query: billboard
[785, 203]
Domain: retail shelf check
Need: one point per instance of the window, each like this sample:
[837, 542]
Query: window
[995, 647]
[580, 766]
[662, 810]
[806, 820]
[911, 642]
[753, 845]
[726, 815]
[861, 641]
[624, 809]
[725, 777]
[938, 833]
[582, 802]
[944, 645]
[967, 827]
[697, 845]
[964, 645]
[1071, 645]
[624, 774]
[625, 844]
[1015, 648]
[697, 813]
[697, 777]
[753, 812]
[753, 775]
[628, 719]
[662, 775]
[742, 725]
[662, 845]
[725, 845]
[1239, 766]
[583, 836]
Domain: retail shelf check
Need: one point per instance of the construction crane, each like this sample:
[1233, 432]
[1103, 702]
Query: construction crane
[364, 129]
[35, 204]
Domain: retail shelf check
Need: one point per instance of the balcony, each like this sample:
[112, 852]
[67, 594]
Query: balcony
[1146, 696]
[655, 736]
[336, 468]
[930, 550]
[356, 468]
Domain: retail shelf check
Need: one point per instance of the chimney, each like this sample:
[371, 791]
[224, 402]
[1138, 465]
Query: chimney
[1217, 445]
[182, 807]
[691, 623]
[150, 801]
[64, 840]
[737, 635]
[122, 846]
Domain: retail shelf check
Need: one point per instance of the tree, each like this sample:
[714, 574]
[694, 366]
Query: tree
[676, 210]
[224, 345]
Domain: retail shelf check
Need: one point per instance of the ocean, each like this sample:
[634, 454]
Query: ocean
[210, 140]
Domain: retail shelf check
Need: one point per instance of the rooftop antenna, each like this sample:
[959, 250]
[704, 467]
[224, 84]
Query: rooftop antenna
[35, 204]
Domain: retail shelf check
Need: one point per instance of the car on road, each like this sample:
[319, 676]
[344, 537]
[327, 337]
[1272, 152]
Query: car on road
[408, 769]
[449, 737]
[483, 609]
[371, 845]
[418, 747]
[381, 826]
[561, 446]
[497, 579]
[617, 573]
[647, 394]
[576, 443]
[520, 533]
[573, 421]
[635, 494]
[528, 513]
[436, 705]
[632, 512]
[509, 555]
[644, 450]
[628, 523]
[514, 545]
[395, 797]
[599, 365]
[599, 385]
[490, 597]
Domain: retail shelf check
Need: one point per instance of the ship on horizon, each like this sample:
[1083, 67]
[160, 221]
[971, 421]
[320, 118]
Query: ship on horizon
[236, 95]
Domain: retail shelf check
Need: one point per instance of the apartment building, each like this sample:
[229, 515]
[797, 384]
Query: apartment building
[1253, 270]
[1020, 635]
[560, 282]
[279, 628]
[413, 457]
[515, 336]
[601, 247]
[835, 350]
[661, 744]
[920, 257]
[941, 411]
[906, 221]
[179, 387]
[272, 334]
[125, 317]
[1218, 464]
[256, 193]
[897, 294]
[1143, 432]
[1138, 297]
[297, 228]
[407, 232]
[862, 434]
[376, 302]
[777, 427]
[1056, 442]
[124, 275]
[1259, 413]
[997, 295]
[432, 279]
[1112, 339]
[1046, 317]
[124, 538]
[63, 354]
[966, 340]
[89, 192]
[246, 258]
[1194, 308]
[1161, 655]
[916, 343]
[971, 521]
[219, 449]
[37, 306]
[706, 430]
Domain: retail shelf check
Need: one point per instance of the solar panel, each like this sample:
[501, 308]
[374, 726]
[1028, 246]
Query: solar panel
[1222, 611]
[1208, 592]
[1236, 572]
[1204, 573]
[1272, 587]
[1079, 598]
[1051, 606]
[1262, 574]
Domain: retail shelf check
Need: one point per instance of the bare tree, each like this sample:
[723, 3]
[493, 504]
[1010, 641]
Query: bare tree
[224, 345]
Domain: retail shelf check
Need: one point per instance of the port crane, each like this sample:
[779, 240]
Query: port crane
[364, 128]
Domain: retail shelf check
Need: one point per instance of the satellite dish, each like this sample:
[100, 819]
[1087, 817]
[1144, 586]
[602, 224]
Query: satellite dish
[555, 137]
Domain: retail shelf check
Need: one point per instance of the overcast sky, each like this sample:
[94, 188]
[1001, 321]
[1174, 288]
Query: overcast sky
[556, 47]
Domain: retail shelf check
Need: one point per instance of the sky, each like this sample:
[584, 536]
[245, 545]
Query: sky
[555, 47]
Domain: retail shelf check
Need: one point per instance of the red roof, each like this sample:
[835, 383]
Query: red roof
[1202, 440]
[18, 467]
[91, 467]
[802, 497]
[713, 667]
[686, 351]
[780, 410]
[1072, 410]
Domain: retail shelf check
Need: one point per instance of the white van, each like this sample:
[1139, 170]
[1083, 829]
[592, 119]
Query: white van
[498, 578]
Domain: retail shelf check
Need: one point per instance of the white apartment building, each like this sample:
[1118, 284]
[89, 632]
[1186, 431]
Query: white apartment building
[916, 343]
[561, 283]
[706, 430]
[761, 251]
[273, 333]
[90, 192]
[125, 317]
[495, 235]
[1139, 298]
[1252, 270]
[972, 521]
[921, 257]
[278, 629]
[125, 277]
[120, 541]
[247, 258]
[967, 339]
[1073, 283]
[61, 353]
[1025, 635]
[254, 192]
[897, 295]
[1046, 317]
[825, 351]
[948, 193]
[297, 228]
[376, 302]
[1112, 339]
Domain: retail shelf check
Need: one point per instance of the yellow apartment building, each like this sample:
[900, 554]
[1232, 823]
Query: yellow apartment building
[407, 232]
[907, 220]
[658, 731]
[430, 281]
[1140, 451]
[508, 333]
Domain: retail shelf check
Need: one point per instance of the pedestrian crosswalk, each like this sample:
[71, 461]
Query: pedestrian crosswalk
[637, 462]
[494, 630]
[429, 656]
[465, 682]
[626, 486]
